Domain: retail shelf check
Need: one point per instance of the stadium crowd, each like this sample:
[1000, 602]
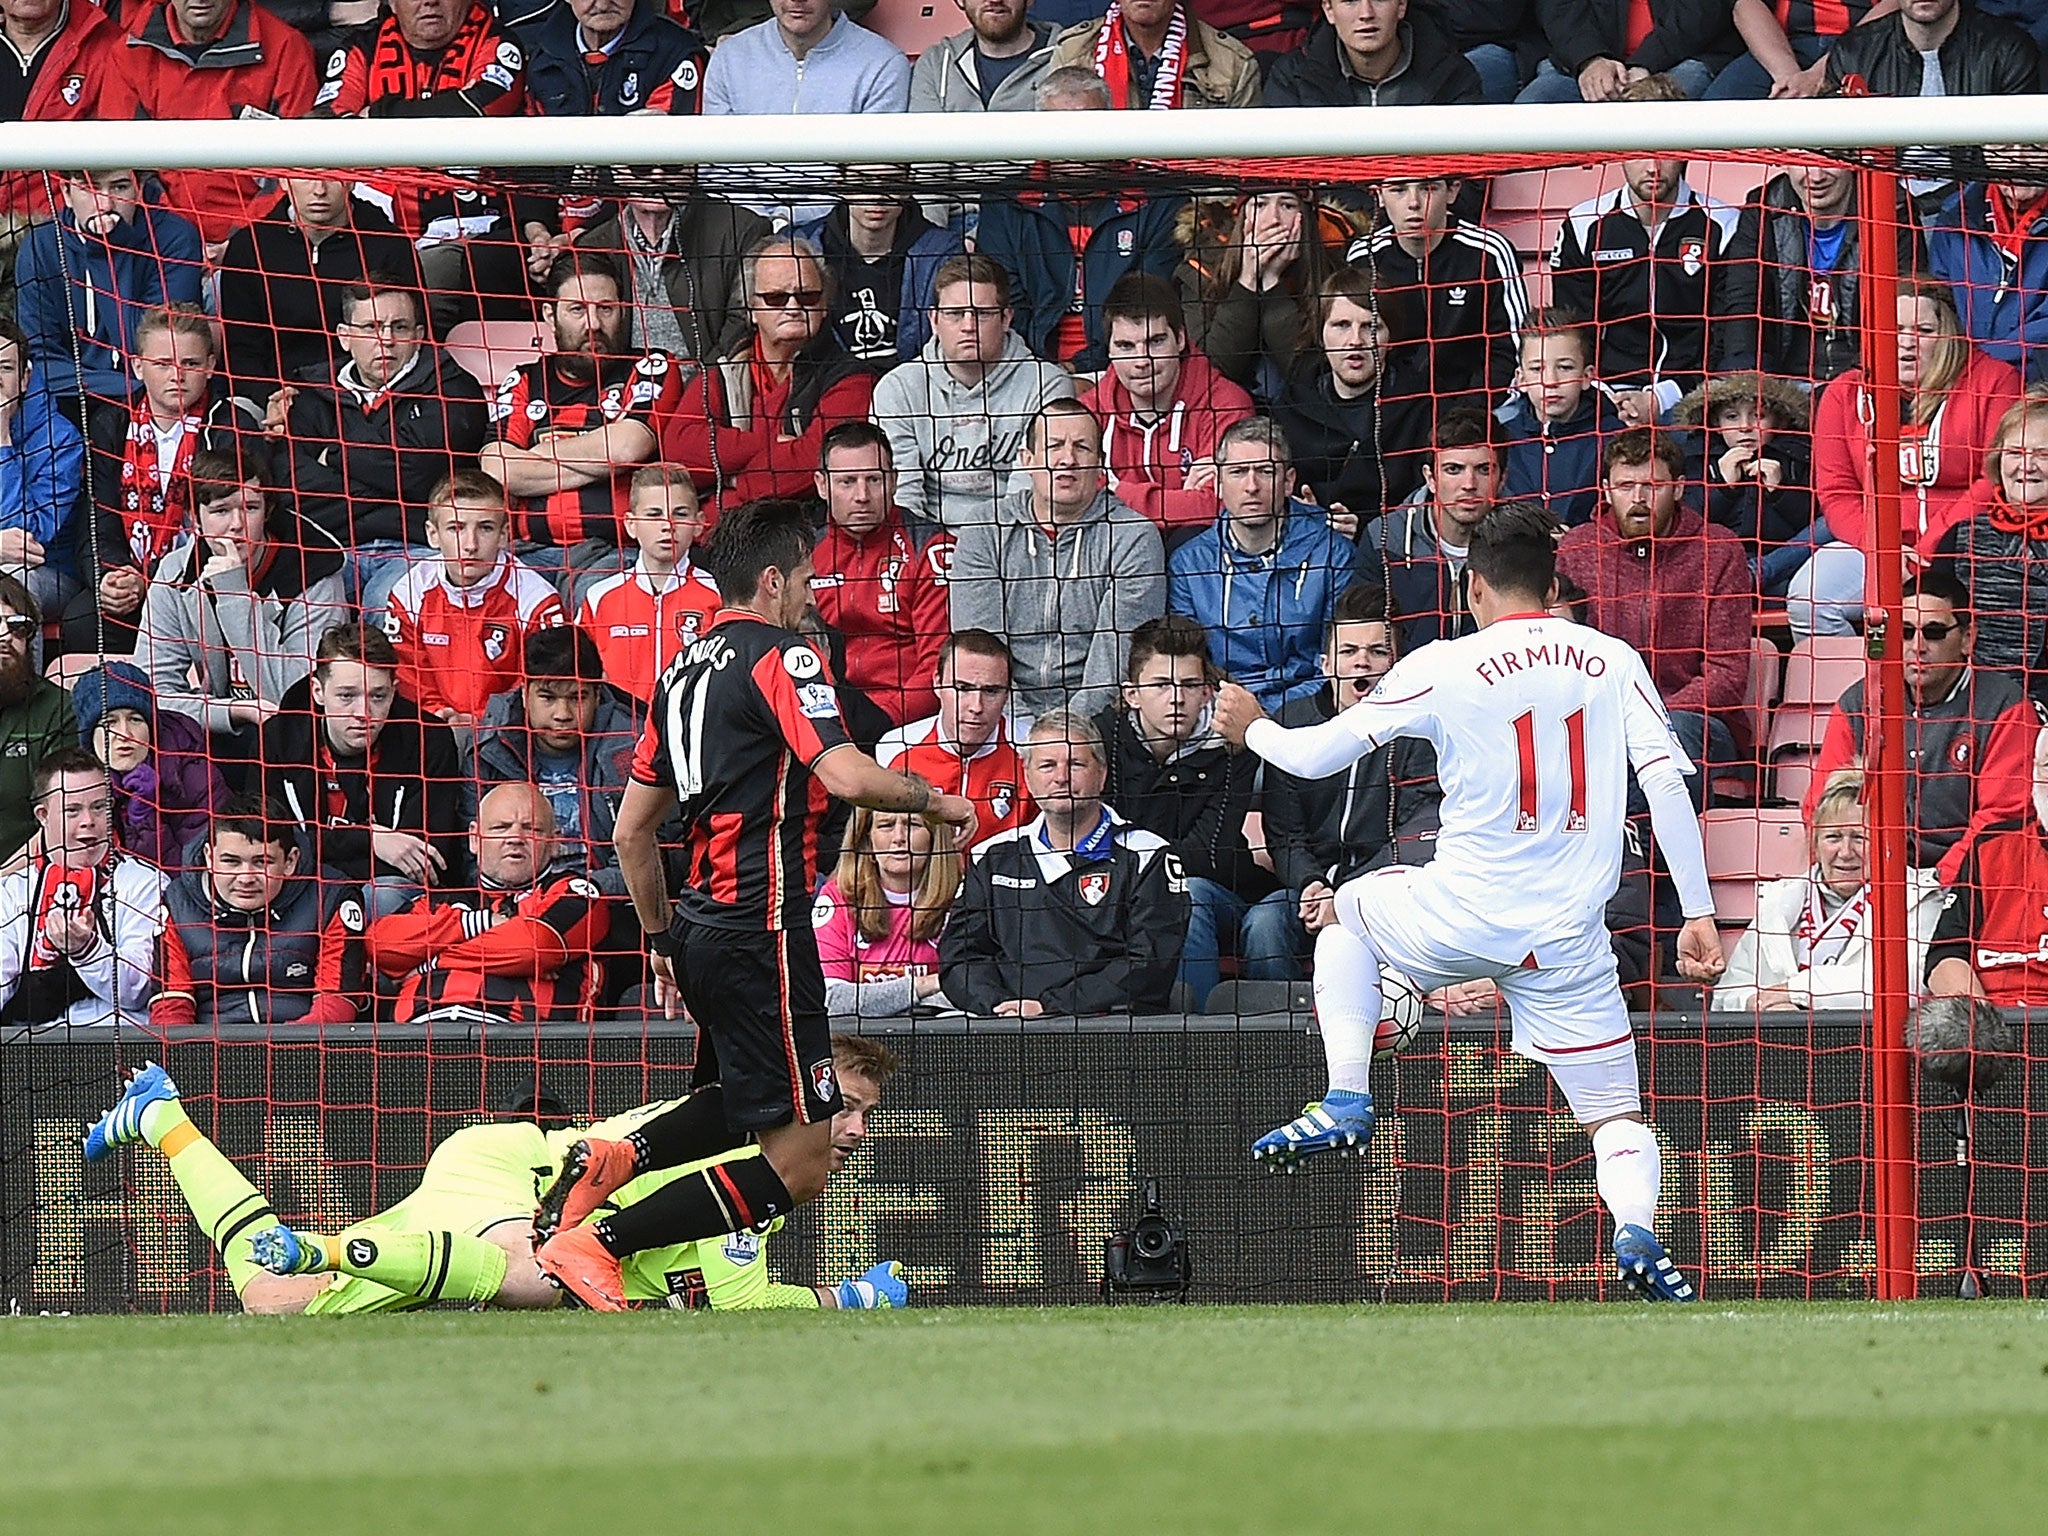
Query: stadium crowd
[325, 661]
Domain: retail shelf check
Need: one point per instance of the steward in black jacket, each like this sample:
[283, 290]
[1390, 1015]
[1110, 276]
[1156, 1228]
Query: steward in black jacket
[1095, 931]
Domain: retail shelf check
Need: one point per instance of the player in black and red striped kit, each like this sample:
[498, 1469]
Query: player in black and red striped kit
[746, 733]
[572, 425]
[519, 945]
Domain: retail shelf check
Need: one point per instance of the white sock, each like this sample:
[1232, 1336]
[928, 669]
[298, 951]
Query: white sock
[1347, 988]
[1628, 1171]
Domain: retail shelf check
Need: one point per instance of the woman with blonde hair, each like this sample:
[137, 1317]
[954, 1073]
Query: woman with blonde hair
[1810, 943]
[879, 917]
[1954, 397]
[2001, 551]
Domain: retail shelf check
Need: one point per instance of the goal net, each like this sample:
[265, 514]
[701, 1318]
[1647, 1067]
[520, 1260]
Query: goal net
[367, 492]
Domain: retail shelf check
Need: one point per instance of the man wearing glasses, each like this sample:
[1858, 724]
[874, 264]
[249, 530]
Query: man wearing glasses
[371, 436]
[83, 923]
[965, 748]
[1969, 730]
[35, 715]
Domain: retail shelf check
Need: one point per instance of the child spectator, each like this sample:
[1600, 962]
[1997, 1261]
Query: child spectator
[1753, 458]
[1557, 420]
[643, 616]
[164, 786]
[460, 624]
[879, 916]
[232, 620]
[142, 470]
[42, 468]
[567, 734]
[87, 278]
[881, 584]
[376, 790]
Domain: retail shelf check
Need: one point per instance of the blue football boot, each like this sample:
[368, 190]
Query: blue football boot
[122, 1124]
[1342, 1122]
[1646, 1269]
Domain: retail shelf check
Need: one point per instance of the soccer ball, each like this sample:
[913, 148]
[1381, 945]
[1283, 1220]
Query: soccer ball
[1400, 1013]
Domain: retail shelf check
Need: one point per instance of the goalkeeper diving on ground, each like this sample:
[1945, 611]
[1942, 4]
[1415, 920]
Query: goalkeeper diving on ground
[466, 1234]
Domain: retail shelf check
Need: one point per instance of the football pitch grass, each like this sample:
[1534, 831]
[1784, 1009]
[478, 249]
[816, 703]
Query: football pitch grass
[1512, 1419]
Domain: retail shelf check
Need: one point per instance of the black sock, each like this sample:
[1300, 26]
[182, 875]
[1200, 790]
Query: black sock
[709, 1203]
[694, 1130]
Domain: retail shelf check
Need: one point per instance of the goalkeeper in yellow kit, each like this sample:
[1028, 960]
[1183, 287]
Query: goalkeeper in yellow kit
[466, 1234]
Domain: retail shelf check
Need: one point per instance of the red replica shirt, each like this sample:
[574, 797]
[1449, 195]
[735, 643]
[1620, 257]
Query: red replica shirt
[538, 401]
[457, 646]
[886, 593]
[526, 955]
[993, 778]
[641, 622]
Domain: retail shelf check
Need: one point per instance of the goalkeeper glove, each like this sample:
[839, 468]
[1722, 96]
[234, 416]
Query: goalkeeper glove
[881, 1286]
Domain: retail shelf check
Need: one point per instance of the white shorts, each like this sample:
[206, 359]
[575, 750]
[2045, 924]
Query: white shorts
[1565, 1007]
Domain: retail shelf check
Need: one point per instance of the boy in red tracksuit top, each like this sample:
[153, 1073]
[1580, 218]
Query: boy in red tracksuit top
[643, 616]
[1674, 586]
[520, 945]
[880, 584]
[460, 623]
[1163, 407]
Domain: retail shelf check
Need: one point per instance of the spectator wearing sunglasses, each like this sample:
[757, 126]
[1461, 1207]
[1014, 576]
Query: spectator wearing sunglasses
[1969, 731]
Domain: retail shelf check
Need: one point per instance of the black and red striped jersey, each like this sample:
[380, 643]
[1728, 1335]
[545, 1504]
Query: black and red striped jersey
[1820, 18]
[738, 721]
[538, 401]
[525, 955]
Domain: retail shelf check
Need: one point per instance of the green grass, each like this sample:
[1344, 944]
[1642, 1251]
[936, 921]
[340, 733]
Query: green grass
[1510, 1419]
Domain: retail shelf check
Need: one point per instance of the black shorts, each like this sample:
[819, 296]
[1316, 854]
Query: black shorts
[759, 1003]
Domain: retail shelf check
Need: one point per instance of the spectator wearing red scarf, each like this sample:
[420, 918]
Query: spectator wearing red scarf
[1155, 56]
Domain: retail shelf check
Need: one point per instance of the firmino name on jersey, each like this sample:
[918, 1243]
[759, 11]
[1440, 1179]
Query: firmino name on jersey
[1527, 658]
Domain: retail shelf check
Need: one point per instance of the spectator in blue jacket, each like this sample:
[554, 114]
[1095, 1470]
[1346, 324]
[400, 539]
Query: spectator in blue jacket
[1553, 425]
[114, 240]
[883, 257]
[1989, 242]
[1263, 579]
[1036, 236]
[42, 467]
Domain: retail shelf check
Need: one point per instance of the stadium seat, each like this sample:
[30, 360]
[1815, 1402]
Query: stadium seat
[1746, 846]
[913, 25]
[1817, 673]
[490, 349]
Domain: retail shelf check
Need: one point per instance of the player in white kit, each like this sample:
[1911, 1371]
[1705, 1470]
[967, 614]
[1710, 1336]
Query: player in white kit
[1536, 722]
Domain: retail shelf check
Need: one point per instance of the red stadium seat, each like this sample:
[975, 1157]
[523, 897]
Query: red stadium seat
[490, 349]
[1817, 673]
[914, 25]
[1745, 846]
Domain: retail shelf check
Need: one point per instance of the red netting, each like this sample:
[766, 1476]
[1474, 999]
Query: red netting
[414, 491]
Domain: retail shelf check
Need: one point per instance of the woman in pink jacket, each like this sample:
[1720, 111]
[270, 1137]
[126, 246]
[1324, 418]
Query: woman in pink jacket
[1951, 398]
[878, 918]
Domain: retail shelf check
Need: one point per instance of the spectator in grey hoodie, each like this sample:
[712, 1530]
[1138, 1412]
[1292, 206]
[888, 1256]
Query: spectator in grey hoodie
[807, 58]
[956, 414]
[994, 66]
[240, 607]
[1064, 574]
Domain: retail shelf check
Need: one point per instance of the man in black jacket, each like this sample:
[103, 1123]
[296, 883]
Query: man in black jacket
[1974, 54]
[376, 789]
[1592, 59]
[1076, 911]
[1374, 53]
[283, 277]
[1661, 272]
[372, 436]
[682, 259]
[1324, 831]
[1170, 774]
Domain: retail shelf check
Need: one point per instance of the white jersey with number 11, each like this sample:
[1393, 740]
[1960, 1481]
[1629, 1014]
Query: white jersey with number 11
[1536, 722]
